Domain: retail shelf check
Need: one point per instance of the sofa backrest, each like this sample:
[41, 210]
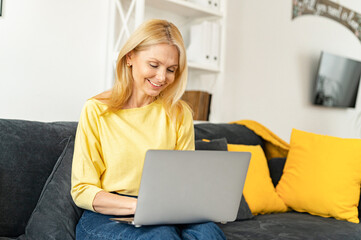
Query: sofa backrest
[28, 152]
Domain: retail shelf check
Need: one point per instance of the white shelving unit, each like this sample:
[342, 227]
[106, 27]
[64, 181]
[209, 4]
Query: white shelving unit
[126, 15]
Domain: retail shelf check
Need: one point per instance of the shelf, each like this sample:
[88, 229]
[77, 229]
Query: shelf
[184, 8]
[203, 67]
[183, 13]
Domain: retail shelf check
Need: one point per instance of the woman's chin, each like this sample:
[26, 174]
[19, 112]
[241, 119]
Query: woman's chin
[153, 93]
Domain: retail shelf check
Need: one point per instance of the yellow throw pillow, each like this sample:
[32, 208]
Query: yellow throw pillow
[322, 176]
[259, 191]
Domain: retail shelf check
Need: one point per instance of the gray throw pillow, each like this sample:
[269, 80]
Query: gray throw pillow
[215, 144]
[55, 215]
[221, 145]
[234, 133]
[28, 153]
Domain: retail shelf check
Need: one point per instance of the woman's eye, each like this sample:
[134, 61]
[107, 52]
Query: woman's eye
[171, 70]
[153, 66]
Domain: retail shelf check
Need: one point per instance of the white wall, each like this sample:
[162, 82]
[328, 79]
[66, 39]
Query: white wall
[270, 64]
[52, 57]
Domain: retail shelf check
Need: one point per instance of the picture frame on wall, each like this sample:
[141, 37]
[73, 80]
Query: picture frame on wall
[1, 7]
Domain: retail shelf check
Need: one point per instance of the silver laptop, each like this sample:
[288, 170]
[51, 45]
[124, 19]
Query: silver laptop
[181, 187]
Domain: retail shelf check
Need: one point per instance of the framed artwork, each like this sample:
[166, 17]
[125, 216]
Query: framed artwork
[329, 9]
[1, 7]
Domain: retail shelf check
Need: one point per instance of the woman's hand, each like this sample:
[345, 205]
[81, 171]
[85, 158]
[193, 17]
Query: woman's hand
[113, 204]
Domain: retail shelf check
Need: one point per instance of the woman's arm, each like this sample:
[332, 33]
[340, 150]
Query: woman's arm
[113, 204]
[185, 128]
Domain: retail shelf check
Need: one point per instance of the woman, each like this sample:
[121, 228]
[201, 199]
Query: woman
[142, 111]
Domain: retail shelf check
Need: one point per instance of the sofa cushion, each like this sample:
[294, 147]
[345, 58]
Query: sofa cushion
[276, 166]
[322, 176]
[28, 152]
[56, 215]
[234, 133]
[291, 225]
[259, 191]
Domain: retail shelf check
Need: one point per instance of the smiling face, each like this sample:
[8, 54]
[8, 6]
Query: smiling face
[153, 70]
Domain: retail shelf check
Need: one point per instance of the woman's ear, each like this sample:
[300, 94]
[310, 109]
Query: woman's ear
[129, 56]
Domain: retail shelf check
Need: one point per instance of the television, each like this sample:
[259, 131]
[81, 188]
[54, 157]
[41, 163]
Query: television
[337, 81]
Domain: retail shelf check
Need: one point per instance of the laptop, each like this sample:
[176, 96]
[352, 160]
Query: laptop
[183, 187]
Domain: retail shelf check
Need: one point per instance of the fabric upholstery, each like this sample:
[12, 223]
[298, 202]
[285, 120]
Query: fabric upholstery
[33, 148]
[274, 146]
[259, 191]
[291, 225]
[276, 166]
[234, 133]
[214, 144]
[322, 176]
[56, 215]
[28, 152]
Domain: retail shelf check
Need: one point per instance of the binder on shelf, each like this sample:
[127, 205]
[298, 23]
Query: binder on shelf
[200, 103]
[207, 41]
[194, 51]
[198, 50]
[216, 4]
[216, 30]
[204, 43]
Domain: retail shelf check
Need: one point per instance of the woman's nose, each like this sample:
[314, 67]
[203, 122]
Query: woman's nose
[161, 75]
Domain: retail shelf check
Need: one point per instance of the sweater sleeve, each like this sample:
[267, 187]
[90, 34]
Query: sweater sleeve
[88, 164]
[185, 134]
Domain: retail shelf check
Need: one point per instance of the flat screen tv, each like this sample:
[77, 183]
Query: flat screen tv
[337, 81]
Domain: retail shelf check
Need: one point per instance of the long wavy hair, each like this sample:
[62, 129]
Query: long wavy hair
[150, 33]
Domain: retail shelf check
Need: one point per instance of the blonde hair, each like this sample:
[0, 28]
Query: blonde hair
[150, 33]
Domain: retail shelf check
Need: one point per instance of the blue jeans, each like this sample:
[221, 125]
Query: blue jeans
[98, 226]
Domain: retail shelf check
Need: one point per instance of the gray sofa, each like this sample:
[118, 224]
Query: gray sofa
[35, 165]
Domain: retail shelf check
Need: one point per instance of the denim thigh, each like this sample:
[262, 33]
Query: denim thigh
[93, 226]
[202, 231]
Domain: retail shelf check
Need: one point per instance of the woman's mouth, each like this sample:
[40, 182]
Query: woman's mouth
[154, 84]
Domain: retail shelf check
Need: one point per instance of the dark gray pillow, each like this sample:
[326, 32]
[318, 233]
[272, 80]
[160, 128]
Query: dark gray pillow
[28, 152]
[234, 133]
[221, 145]
[56, 215]
[215, 144]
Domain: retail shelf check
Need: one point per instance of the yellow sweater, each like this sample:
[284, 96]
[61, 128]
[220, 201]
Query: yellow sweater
[110, 149]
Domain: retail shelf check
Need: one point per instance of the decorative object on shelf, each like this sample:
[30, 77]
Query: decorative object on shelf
[200, 103]
[326, 8]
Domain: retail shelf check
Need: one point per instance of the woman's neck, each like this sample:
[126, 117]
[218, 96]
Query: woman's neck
[135, 102]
